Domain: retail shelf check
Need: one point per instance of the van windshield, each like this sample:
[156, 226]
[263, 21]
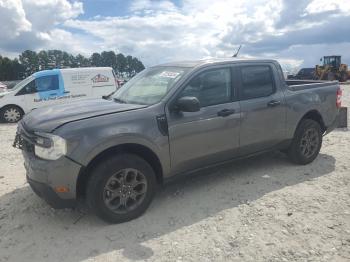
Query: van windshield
[149, 86]
[22, 83]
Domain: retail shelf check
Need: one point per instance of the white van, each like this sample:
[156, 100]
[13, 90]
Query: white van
[55, 86]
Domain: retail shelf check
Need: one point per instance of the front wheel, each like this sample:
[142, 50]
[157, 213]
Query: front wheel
[121, 188]
[11, 114]
[306, 143]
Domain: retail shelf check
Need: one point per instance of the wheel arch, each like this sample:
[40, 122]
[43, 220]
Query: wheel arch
[313, 115]
[9, 105]
[140, 150]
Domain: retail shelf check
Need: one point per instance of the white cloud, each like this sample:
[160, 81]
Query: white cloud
[160, 31]
[12, 19]
[30, 24]
[186, 32]
[319, 6]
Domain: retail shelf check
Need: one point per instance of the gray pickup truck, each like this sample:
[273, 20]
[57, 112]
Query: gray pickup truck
[171, 119]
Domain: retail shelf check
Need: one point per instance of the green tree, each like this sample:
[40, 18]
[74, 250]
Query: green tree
[109, 58]
[96, 59]
[30, 61]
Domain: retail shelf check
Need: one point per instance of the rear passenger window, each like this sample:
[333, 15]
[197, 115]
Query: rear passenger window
[211, 87]
[47, 83]
[257, 81]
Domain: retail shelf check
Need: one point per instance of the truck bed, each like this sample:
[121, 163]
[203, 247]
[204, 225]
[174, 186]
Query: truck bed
[297, 85]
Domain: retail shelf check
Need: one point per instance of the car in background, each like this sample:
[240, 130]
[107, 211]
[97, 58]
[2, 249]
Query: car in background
[56, 86]
[304, 74]
[3, 87]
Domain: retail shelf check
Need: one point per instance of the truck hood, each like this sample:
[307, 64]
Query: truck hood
[48, 118]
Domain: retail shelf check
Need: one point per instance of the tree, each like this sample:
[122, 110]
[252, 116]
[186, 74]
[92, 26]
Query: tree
[96, 59]
[109, 59]
[30, 62]
[121, 64]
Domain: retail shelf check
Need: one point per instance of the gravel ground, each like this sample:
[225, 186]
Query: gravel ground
[259, 209]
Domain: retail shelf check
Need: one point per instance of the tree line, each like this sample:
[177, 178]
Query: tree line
[30, 62]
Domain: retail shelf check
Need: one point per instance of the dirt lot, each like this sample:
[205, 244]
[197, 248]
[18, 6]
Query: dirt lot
[260, 209]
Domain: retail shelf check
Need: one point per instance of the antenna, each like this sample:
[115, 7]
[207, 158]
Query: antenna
[236, 54]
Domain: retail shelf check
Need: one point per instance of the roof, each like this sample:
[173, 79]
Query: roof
[57, 70]
[195, 63]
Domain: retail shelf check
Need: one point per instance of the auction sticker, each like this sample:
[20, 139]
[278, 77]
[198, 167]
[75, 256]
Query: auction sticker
[169, 74]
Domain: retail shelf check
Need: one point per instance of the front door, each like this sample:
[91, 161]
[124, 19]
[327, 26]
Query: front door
[44, 90]
[263, 109]
[198, 139]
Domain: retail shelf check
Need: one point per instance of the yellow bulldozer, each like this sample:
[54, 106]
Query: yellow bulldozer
[332, 69]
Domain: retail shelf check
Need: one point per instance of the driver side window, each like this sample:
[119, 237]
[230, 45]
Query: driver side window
[27, 89]
[211, 87]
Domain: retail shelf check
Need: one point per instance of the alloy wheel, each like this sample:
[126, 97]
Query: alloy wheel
[309, 142]
[125, 190]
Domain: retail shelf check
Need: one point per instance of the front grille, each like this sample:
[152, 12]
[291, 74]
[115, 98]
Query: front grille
[22, 143]
[24, 140]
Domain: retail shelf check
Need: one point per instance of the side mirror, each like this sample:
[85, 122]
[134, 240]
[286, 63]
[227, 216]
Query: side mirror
[188, 104]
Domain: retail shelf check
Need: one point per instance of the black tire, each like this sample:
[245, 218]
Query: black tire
[297, 151]
[343, 77]
[98, 190]
[11, 114]
[330, 76]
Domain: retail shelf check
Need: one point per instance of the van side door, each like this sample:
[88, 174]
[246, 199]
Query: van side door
[263, 108]
[211, 135]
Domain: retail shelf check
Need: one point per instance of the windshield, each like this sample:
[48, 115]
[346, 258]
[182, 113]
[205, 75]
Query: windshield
[149, 86]
[22, 83]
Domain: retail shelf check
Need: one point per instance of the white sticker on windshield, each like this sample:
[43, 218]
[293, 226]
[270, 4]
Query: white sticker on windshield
[169, 74]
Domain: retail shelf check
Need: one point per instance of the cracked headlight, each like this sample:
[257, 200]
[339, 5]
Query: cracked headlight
[49, 146]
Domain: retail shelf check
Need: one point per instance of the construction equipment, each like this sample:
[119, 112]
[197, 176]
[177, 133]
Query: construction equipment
[332, 69]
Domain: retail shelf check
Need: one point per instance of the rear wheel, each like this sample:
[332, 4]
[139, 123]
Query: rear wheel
[11, 114]
[343, 77]
[330, 76]
[306, 143]
[121, 188]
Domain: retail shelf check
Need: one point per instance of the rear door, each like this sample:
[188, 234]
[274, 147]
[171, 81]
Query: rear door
[263, 108]
[198, 139]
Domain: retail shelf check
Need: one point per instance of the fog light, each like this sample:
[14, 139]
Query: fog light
[61, 189]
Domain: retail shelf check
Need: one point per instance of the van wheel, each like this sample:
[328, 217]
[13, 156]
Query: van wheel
[11, 114]
[121, 188]
[306, 143]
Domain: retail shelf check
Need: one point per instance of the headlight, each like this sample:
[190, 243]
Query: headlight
[49, 146]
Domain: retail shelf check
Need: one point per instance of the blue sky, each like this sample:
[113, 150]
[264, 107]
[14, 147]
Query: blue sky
[105, 8]
[297, 33]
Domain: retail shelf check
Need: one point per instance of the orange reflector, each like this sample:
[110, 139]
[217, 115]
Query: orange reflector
[61, 189]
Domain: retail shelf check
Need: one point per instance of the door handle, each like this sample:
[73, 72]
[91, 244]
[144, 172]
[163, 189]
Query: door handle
[273, 103]
[226, 112]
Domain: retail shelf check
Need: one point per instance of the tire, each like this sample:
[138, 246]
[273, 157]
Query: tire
[330, 76]
[108, 189]
[343, 77]
[303, 151]
[11, 114]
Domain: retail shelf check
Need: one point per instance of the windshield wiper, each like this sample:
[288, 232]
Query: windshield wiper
[119, 100]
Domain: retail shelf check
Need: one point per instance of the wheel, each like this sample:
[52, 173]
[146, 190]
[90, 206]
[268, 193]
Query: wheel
[121, 188]
[306, 143]
[330, 76]
[343, 77]
[11, 114]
